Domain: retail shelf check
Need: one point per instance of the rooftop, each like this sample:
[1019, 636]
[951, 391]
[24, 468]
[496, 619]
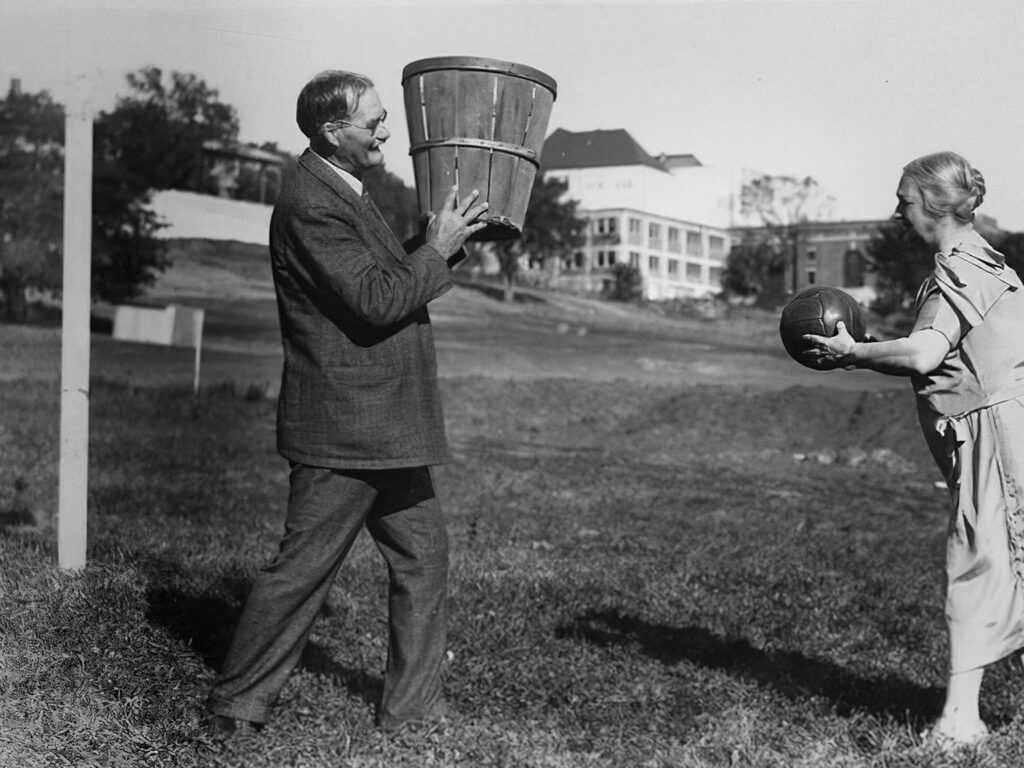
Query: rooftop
[594, 149]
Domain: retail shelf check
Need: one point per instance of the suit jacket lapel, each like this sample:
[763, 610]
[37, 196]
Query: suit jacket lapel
[373, 219]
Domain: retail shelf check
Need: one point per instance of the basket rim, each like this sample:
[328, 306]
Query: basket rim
[481, 64]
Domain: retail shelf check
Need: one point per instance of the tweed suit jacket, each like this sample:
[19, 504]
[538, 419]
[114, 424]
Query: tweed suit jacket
[359, 385]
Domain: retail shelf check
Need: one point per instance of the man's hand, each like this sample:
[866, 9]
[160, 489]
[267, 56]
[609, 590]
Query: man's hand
[449, 229]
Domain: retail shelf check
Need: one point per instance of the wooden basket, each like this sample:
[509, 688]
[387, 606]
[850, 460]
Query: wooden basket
[479, 124]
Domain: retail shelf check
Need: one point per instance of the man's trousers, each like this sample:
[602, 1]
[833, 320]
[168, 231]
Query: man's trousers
[326, 510]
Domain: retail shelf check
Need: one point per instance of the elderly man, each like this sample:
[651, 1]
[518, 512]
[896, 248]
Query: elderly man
[359, 414]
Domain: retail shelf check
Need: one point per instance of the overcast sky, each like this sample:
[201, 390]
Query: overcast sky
[845, 91]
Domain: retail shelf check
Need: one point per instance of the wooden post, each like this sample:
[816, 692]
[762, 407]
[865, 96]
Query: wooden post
[74, 400]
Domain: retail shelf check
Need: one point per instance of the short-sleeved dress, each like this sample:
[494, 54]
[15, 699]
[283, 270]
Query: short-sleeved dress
[971, 409]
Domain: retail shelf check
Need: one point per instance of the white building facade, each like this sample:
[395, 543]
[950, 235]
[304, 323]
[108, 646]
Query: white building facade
[667, 217]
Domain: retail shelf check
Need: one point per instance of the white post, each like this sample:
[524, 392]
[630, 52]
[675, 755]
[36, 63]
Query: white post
[197, 341]
[74, 400]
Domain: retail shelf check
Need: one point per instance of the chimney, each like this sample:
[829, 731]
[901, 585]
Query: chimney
[15, 87]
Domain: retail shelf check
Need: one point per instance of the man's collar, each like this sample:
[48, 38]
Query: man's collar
[349, 179]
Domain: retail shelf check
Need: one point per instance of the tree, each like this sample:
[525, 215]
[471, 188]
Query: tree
[778, 205]
[1011, 245]
[783, 201]
[161, 126]
[31, 196]
[756, 269]
[902, 261]
[397, 202]
[627, 284]
[551, 230]
[126, 256]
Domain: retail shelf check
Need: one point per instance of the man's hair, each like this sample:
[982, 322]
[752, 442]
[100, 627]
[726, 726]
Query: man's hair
[331, 95]
[948, 184]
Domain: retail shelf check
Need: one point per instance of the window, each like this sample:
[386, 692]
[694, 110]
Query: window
[652, 264]
[693, 272]
[716, 246]
[673, 267]
[579, 259]
[853, 268]
[634, 260]
[694, 245]
[674, 243]
[812, 254]
[715, 275]
[636, 236]
[812, 276]
[611, 258]
[600, 258]
[654, 235]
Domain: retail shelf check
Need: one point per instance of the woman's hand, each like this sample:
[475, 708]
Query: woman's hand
[830, 350]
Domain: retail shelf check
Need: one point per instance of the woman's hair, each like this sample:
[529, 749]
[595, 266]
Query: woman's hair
[948, 184]
[331, 95]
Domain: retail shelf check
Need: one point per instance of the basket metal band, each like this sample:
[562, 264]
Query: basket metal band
[499, 146]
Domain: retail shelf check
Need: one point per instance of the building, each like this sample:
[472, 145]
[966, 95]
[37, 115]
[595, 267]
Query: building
[241, 171]
[835, 253]
[827, 253]
[668, 216]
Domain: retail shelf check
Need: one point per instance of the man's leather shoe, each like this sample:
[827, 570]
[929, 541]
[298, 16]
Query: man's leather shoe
[225, 727]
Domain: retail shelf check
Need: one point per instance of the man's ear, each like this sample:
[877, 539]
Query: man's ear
[327, 138]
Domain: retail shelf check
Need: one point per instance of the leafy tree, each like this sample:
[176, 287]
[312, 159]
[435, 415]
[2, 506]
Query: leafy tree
[1011, 245]
[756, 269]
[396, 202]
[161, 125]
[627, 285]
[551, 230]
[126, 256]
[31, 196]
[902, 261]
[779, 205]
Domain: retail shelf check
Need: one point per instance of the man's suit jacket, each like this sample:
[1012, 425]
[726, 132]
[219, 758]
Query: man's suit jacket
[359, 386]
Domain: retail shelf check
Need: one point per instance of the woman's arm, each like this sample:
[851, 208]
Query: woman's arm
[920, 352]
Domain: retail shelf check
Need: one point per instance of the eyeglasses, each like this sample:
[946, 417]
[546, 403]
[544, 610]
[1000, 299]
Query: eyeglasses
[372, 128]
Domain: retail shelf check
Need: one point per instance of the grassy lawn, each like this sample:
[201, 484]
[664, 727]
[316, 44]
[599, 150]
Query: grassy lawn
[644, 573]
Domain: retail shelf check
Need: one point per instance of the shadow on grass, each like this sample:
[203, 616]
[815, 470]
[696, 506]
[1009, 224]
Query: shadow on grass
[792, 674]
[207, 623]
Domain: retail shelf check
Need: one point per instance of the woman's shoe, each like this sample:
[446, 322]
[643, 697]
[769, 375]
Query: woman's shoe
[949, 739]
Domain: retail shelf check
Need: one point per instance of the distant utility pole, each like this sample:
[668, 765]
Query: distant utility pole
[76, 292]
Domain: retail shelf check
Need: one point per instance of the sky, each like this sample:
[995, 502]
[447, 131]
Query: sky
[844, 91]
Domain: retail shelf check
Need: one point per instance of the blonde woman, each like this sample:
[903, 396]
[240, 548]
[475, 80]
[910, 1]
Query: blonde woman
[965, 359]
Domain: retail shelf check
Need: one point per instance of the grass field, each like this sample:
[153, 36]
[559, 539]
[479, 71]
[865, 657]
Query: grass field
[671, 546]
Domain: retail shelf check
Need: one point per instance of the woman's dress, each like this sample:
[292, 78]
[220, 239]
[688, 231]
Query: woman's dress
[971, 409]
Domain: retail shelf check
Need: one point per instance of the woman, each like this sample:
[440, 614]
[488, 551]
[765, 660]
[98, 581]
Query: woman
[965, 359]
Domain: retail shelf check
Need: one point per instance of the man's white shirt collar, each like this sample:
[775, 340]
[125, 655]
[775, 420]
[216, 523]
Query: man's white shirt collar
[349, 179]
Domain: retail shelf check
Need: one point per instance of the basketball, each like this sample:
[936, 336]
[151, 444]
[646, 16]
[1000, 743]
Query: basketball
[817, 310]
